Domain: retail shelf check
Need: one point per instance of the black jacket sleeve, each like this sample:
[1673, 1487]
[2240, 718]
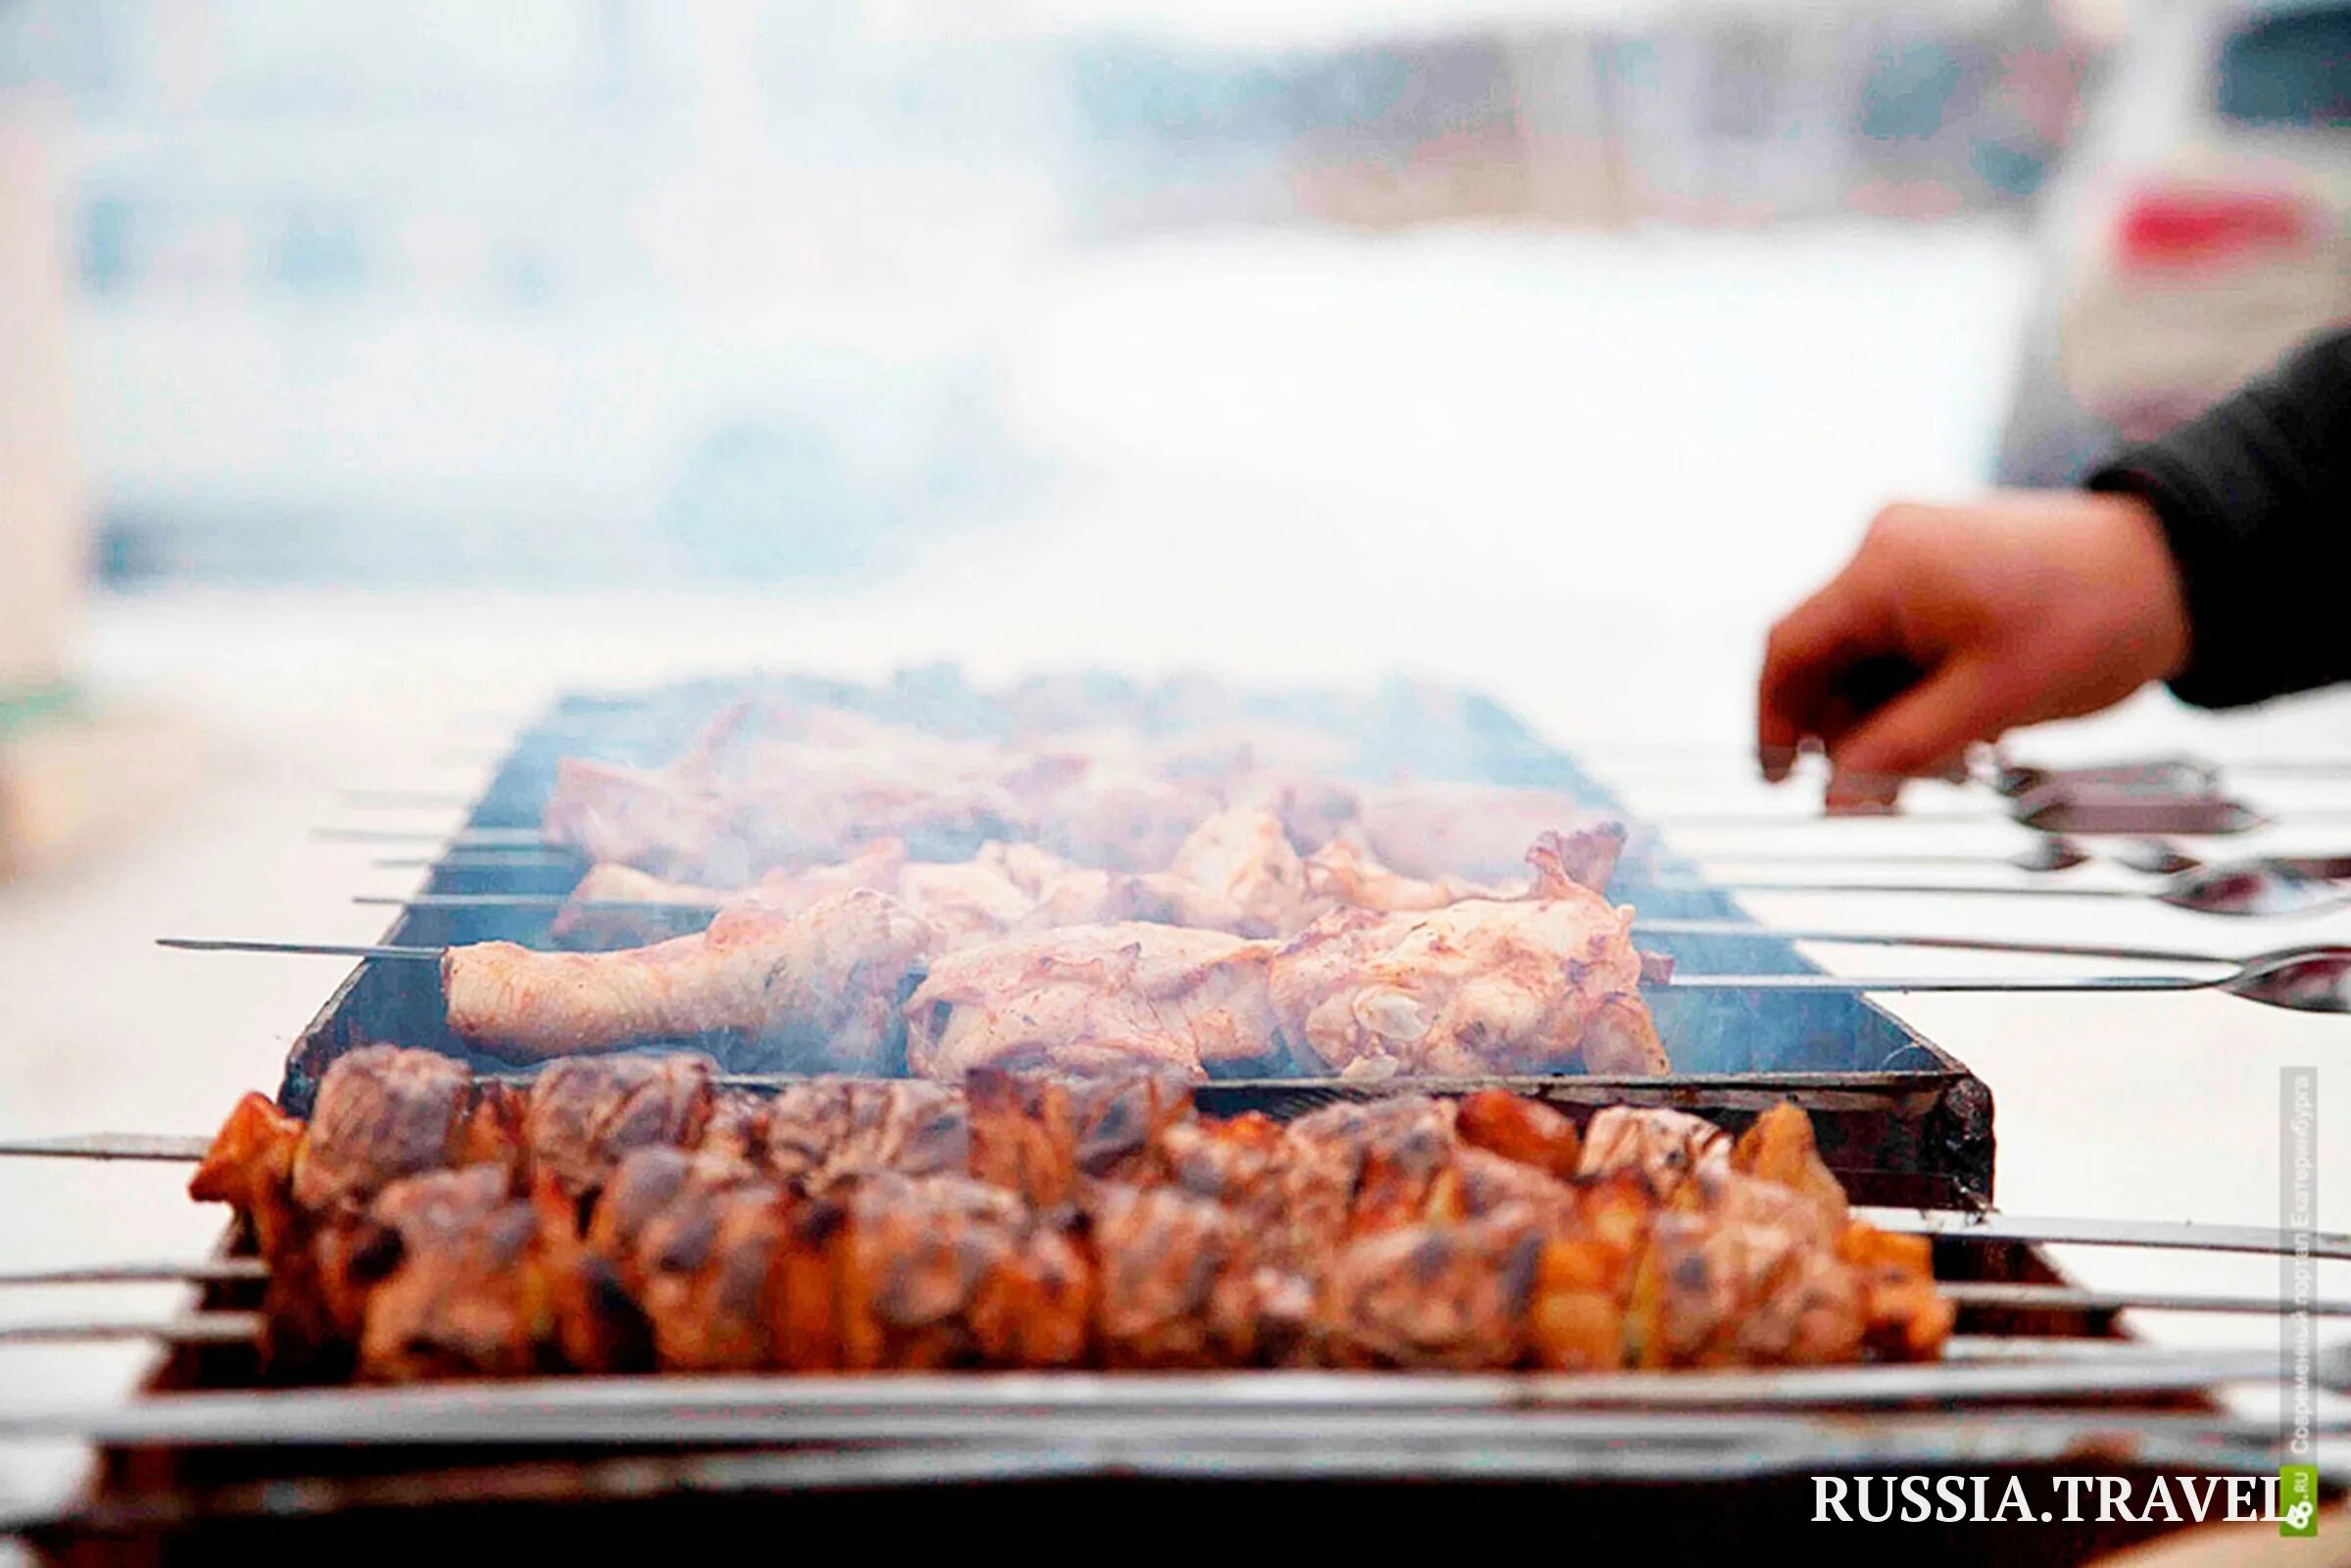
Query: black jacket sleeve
[2255, 497]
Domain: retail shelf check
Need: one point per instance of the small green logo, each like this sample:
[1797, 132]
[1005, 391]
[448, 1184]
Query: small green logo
[2298, 1499]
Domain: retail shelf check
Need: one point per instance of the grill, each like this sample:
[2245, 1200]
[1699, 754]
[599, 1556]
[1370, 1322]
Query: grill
[2032, 1389]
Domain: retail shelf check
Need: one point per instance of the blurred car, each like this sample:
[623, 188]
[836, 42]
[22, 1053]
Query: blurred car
[2202, 229]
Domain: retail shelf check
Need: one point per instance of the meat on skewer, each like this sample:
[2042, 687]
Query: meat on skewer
[1517, 985]
[1088, 998]
[819, 987]
[1101, 1222]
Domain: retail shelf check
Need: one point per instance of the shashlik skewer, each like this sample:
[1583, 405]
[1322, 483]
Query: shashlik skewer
[1679, 981]
[724, 1235]
[2004, 1295]
[1961, 1225]
[1019, 959]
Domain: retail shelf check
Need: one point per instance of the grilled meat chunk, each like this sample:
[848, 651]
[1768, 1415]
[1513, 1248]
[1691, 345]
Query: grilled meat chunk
[1779, 1147]
[1520, 1129]
[383, 1114]
[1434, 1297]
[249, 1166]
[821, 985]
[1482, 986]
[1661, 1147]
[832, 1130]
[1236, 872]
[947, 1272]
[1093, 996]
[1044, 1136]
[585, 1114]
[1180, 1286]
[467, 1298]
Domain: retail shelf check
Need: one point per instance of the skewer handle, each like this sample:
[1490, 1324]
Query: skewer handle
[1857, 984]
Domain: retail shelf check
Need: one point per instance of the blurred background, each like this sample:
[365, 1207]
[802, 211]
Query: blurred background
[591, 290]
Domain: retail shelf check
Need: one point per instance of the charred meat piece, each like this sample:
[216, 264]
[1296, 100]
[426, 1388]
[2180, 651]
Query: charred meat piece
[947, 1272]
[1661, 1147]
[585, 1114]
[707, 1277]
[1584, 1282]
[1435, 1296]
[1042, 1136]
[1092, 997]
[1179, 1287]
[660, 1211]
[1714, 1293]
[1356, 1169]
[1483, 986]
[821, 985]
[831, 1130]
[383, 1114]
[467, 1297]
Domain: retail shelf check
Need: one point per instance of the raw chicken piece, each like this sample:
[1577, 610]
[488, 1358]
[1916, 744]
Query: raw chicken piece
[1482, 986]
[1092, 997]
[1236, 872]
[1344, 873]
[818, 986]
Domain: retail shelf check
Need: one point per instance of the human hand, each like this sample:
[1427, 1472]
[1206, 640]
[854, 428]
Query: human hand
[2012, 611]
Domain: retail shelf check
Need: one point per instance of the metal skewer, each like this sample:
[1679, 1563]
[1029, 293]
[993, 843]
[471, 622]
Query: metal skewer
[2002, 1294]
[467, 838]
[482, 860]
[2271, 885]
[316, 950]
[2302, 980]
[185, 1328]
[1700, 982]
[1955, 1224]
[202, 1271]
[534, 901]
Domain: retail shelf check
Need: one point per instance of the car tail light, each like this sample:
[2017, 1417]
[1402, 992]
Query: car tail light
[2164, 228]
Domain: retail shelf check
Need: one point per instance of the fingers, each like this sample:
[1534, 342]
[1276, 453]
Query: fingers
[1927, 729]
[1798, 697]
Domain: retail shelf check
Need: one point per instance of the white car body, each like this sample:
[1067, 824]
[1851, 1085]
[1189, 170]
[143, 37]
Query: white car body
[2188, 246]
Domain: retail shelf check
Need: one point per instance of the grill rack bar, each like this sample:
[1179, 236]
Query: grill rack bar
[975, 1406]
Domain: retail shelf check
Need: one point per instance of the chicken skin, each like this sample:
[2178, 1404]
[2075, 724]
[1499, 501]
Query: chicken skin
[820, 987]
[1093, 996]
[1530, 985]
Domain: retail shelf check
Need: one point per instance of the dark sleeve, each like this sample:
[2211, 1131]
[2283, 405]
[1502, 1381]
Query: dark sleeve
[2255, 497]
